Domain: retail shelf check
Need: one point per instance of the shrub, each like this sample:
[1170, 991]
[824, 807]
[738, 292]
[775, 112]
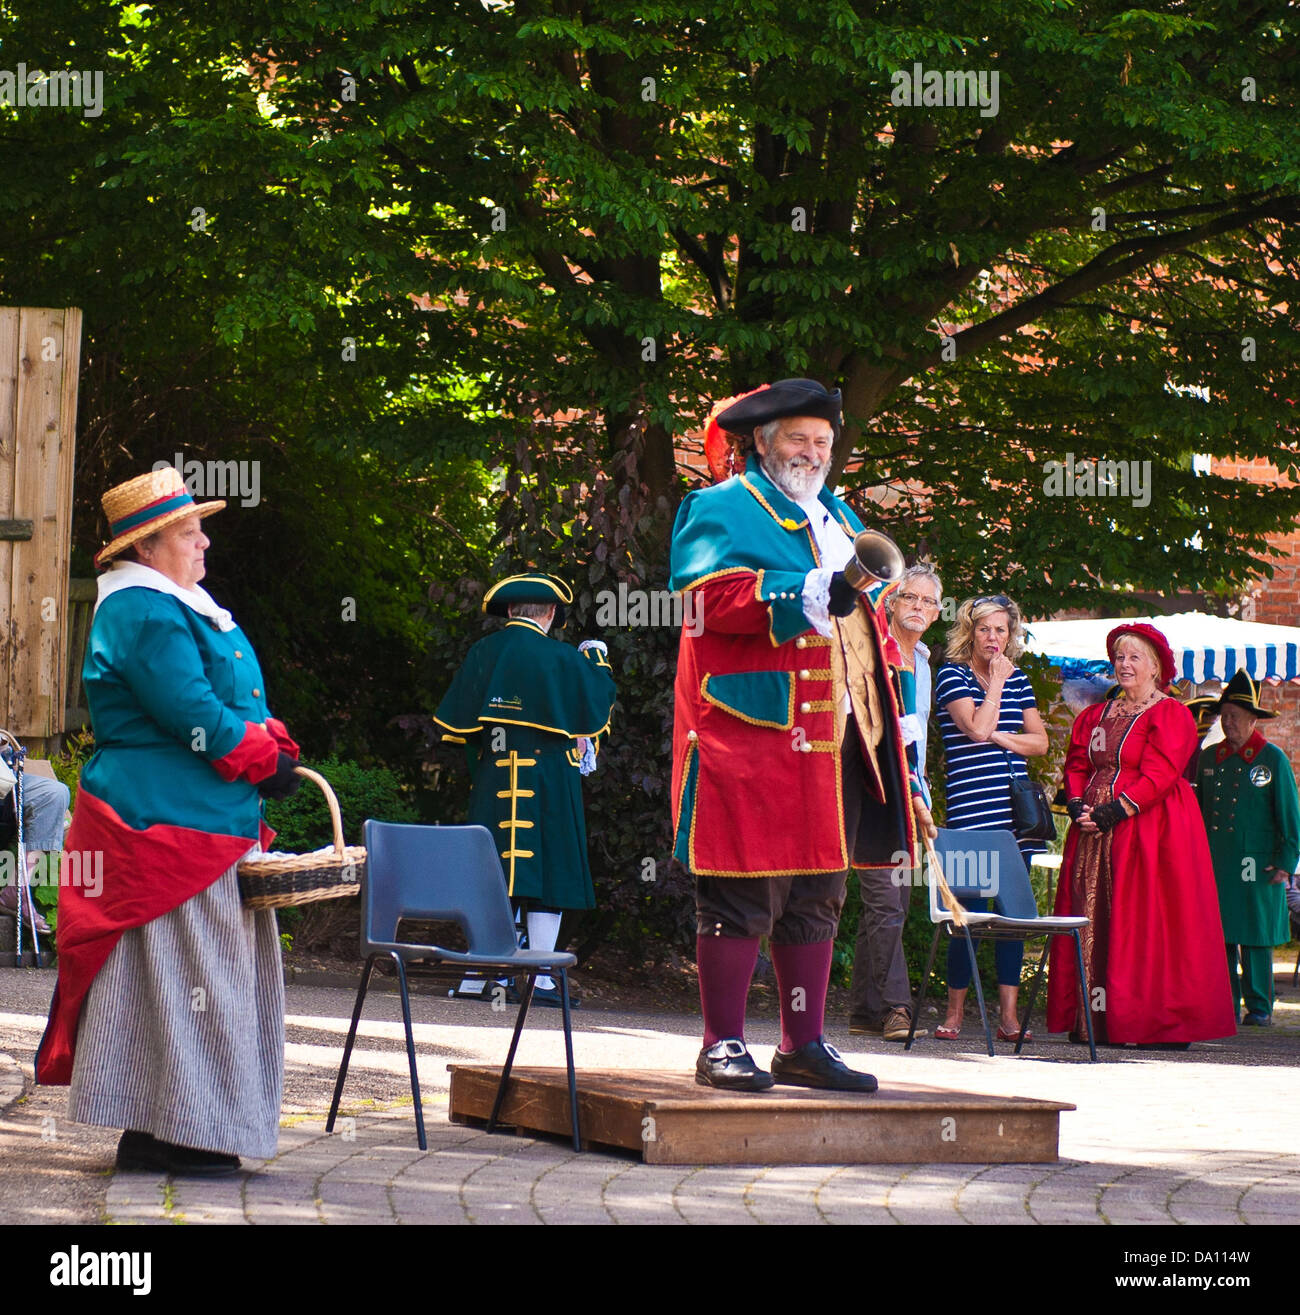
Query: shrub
[302, 822]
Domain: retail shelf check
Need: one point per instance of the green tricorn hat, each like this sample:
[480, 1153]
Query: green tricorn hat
[531, 588]
[1244, 692]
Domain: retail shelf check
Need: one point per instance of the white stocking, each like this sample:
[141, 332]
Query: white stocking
[543, 932]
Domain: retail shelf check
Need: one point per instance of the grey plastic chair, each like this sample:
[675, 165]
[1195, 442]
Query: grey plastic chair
[447, 874]
[983, 865]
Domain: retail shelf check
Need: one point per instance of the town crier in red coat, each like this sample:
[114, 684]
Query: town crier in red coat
[788, 759]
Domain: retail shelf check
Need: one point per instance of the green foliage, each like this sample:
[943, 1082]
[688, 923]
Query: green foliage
[302, 822]
[67, 765]
[588, 520]
[436, 267]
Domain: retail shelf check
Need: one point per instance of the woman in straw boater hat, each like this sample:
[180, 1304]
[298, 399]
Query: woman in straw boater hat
[168, 1013]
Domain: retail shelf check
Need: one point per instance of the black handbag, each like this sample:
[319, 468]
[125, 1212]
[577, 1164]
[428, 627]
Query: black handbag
[1031, 813]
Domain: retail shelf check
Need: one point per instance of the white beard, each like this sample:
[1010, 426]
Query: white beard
[795, 478]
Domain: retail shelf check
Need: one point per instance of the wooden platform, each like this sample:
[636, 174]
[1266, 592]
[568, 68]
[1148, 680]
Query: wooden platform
[668, 1118]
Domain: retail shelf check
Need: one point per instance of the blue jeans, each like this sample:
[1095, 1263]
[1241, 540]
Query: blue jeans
[1007, 955]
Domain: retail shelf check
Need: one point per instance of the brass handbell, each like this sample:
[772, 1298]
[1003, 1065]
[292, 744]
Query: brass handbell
[876, 559]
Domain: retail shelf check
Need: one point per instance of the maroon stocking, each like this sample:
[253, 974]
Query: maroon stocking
[726, 964]
[803, 973]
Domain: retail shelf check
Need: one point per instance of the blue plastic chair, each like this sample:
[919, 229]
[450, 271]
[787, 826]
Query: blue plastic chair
[984, 865]
[447, 874]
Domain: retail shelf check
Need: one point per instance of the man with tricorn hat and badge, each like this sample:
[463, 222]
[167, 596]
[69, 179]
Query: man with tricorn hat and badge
[788, 761]
[1248, 800]
[534, 711]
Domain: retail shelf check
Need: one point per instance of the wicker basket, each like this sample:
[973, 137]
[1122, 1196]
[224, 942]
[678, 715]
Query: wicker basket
[279, 883]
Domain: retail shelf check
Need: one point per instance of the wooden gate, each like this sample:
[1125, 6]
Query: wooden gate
[40, 356]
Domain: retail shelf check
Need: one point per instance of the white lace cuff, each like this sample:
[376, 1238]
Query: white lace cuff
[817, 599]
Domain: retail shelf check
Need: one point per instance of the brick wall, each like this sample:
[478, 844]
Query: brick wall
[1275, 602]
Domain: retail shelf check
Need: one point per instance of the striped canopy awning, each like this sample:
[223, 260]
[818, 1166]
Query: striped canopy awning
[1205, 647]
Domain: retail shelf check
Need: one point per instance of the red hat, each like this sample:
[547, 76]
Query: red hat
[718, 445]
[1140, 629]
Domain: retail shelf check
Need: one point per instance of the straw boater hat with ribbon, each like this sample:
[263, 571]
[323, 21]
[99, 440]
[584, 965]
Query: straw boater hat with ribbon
[535, 587]
[146, 504]
[1244, 692]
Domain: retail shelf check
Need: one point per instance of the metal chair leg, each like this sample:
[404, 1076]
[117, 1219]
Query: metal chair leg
[347, 1046]
[979, 991]
[410, 1052]
[1033, 993]
[526, 1000]
[925, 986]
[568, 1056]
[1087, 1001]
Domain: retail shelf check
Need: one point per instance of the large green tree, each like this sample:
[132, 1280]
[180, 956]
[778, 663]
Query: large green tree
[622, 210]
[414, 255]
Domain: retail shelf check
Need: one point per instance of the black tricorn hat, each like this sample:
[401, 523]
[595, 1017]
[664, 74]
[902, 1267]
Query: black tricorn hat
[786, 397]
[1244, 692]
[1204, 707]
[535, 587]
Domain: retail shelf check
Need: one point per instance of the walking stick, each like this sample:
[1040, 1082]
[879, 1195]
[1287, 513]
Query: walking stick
[19, 752]
[950, 900]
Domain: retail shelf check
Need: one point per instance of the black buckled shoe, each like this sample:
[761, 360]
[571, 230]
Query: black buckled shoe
[819, 1065]
[729, 1066]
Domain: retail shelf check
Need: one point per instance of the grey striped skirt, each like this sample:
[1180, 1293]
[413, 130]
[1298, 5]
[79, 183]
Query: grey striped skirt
[182, 1032]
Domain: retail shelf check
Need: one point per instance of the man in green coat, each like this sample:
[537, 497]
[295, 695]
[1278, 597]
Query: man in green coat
[531, 712]
[1248, 800]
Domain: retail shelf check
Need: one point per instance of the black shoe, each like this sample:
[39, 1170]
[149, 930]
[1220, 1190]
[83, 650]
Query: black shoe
[550, 997]
[142, 1152]
[190, 1162]
[1252, 1019]
[729, 1066]
[819, 1065]
[135, 1149]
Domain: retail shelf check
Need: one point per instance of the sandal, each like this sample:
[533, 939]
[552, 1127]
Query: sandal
[947, 1033]
[1012, 1036]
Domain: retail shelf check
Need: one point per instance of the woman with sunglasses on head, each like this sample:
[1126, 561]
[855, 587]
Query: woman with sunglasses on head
[990, 723]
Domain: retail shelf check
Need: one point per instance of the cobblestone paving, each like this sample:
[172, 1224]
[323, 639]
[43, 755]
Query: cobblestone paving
[1205, 1137]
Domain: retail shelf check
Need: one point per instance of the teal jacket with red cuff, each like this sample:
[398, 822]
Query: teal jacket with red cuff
[169, 800]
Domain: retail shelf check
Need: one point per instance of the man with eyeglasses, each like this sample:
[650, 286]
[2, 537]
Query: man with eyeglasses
[880, 997]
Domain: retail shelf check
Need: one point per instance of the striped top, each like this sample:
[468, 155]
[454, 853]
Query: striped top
[978, 775]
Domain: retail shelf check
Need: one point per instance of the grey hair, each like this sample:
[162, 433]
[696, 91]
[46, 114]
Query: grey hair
[770, 430]
[534, 611]
[921, 571]
[134, 550]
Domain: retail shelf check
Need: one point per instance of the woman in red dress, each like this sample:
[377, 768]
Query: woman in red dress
[1137, 863]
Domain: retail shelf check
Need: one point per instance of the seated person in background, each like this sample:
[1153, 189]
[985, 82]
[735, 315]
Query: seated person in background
[45, 805]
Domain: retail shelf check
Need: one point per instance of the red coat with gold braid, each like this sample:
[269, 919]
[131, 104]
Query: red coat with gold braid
[759, 725]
